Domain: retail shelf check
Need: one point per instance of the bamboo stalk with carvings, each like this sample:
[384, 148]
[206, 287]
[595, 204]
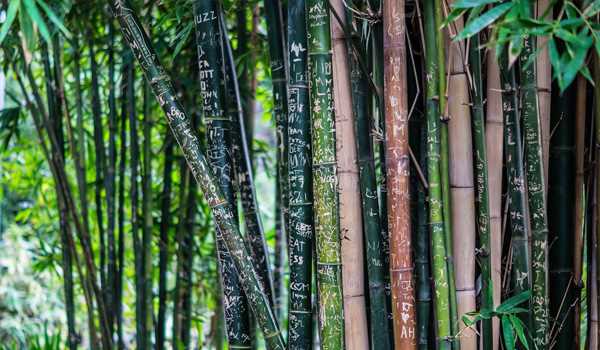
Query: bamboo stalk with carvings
[481, 189]
[544, 82]
[326, 201]
[398, 174]
[462, 188]
[300, 329]
[380, 332]
[219, 144]
[494, 142]
[518, 209]
[436, 219]
[536, 194]
[353, 285]
[223, 214]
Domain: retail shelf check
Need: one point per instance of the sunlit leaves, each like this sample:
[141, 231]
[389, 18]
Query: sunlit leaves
[11, 14]
[480, 22]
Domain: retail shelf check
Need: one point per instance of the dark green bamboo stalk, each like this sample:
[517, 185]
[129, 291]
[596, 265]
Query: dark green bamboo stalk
[536, 194]
[244, 174]
[300, 245]
[164, 244]
[436, 215]
[378, 309]
[518, 209]
[560, 216]
[275, 36]
[481, 188]
[326, 204]
[200, 168]
[219, 145]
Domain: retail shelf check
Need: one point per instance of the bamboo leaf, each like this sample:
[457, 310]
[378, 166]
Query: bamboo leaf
[11, 14]
[54, 18]
[514, 301]
[508, 333]
[592, 9]
[27, 29]
[35, 15]
[489, 17]
[520, 330]
[466, 4]
[454, 14]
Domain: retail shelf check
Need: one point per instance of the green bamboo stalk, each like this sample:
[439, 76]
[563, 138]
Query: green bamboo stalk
[536, 194]
[560, 216]
[326, 202]
[481, 188]
[276, 41]
[380, 334]
[518, 209]
[444, 166]
[222, 211]
[436, 217]
[147, 222]
[301, 231]
[219, 142]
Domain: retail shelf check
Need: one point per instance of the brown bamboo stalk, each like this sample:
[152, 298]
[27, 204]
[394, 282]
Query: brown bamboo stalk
[579, 211]
[544, 83]
[462, 190]
[494, 146]
[353, 284]
[398, 174]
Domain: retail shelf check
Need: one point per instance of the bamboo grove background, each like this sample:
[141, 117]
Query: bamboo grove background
[301, 174]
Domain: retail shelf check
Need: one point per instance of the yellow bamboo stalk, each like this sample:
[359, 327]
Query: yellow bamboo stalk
[353, 285]
[494, 147]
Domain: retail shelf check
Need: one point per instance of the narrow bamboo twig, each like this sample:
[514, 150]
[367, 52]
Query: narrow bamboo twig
[326, 201]
[436, 218]
[536, 194]
[301, 230]
[200, 168]
[482, 189]
[398, 174]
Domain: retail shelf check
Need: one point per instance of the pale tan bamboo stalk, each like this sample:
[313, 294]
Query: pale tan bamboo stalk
[494, 147]
[544, 83]
[579, 211]
[462, 190]
[353, 286]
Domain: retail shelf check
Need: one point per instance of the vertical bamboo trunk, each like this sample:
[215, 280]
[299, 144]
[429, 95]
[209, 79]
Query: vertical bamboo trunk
[518, 209]
[462, 189]
[218, 126]
[436, 219]
[353, 285]
[398, 174]
[544, 84]
[579, 207]
[592, 301]
[139, 42]
[300, 330]
[560, 218]
[325, 186]
[380, 332]
[596, 232]
[537, 195]
[494, 147]
[482, 189]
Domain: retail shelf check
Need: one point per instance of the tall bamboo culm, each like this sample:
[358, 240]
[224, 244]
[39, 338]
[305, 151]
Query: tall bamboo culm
[398, 174]
[326, 201]
[436, 219]
[353, 282]
[544, 83]
[462, 189]
[301, 231]
[494, 139]
[139, 42]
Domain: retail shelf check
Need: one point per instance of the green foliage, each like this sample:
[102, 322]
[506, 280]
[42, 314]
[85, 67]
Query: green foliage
[575, 31]
[513, 328]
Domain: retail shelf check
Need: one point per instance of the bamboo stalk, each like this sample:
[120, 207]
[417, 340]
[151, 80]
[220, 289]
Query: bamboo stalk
[462, 188]
[180, 125]
[436, 218]
[398, 175]
[353, 285]
[301, 231]
[544, 83]
[536, 194]
[593, 268]
[325, 186]
[596, 232]
[219, 142]
[380, 333]
[147, 220]
[482, 189]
